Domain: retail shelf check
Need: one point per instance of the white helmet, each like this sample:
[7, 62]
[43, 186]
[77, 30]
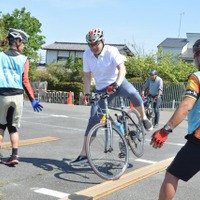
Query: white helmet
[18, 34]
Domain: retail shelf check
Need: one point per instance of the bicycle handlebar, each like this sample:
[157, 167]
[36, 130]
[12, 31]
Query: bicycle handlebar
[98, 96]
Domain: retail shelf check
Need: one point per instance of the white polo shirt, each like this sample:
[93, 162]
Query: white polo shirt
[103, 68]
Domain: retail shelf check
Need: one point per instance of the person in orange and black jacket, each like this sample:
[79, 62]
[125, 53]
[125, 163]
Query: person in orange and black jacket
[14, 80]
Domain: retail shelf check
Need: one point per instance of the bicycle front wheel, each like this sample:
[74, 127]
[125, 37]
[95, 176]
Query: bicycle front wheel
[150, 114]
[107, 151]
[136, 134]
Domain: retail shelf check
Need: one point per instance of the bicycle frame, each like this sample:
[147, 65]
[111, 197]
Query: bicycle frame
[108, 153]
[123, 117]
[108, 122]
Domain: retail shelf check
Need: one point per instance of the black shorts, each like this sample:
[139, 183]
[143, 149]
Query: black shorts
[187, 161]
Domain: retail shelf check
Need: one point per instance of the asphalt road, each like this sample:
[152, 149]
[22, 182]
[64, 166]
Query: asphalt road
[44, 172]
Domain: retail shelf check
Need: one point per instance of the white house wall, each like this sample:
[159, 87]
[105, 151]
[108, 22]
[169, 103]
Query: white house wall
[51, 56]
[192, 38]
[174, 51]
[64, 54]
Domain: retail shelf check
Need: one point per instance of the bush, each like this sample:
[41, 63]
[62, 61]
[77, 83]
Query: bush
[75, 87]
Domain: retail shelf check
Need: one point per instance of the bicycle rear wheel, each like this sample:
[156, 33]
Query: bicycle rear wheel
[136, 134]
[103, 151]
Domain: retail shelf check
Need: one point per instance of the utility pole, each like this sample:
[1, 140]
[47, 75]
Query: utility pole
[180, 21]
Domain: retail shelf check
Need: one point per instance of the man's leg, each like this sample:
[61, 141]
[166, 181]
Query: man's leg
[14, 138]
[169, 187]
[157, 110]
[94, 119]
[1, 140]
[127, 90]
[1, 135]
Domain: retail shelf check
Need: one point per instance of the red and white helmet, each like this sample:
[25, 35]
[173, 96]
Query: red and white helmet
[94, 35]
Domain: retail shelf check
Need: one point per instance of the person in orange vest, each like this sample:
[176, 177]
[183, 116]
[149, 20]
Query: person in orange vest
[186, 163]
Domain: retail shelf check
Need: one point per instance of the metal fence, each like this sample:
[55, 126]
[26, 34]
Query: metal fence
[172, 95]
[52, 96]
[171, 98]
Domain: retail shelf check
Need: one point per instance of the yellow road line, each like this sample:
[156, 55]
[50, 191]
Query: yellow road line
[30, 141]
[108, 187]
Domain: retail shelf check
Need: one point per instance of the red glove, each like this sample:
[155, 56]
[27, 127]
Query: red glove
[112, 88]
[158, 138]
[155, 99]
[86, 99]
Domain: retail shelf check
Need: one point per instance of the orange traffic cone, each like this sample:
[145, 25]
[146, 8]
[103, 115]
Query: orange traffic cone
[131, 105]
[69, 99]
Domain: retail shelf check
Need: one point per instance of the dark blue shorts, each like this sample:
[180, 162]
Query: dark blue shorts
[187, 161]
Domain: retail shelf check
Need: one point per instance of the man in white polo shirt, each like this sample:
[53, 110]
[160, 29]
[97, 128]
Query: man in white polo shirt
[106, 65]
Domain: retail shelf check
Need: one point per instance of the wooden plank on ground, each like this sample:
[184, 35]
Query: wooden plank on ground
[30, 141]
[108, 187]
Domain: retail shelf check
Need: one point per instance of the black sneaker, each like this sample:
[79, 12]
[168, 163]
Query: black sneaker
[80, 160]
[147, 124]
[13, 160]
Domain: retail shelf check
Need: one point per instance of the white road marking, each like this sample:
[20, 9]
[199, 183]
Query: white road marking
[54, 126]
[64, 116]
[171, 143]
[48, 192]
[145, 161]
[178, 144]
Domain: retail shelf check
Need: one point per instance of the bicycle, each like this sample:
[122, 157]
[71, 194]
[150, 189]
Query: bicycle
[106, 147]
[149, 108]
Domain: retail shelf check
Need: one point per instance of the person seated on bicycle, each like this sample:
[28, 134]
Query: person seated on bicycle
[155, 86]
[106, 65]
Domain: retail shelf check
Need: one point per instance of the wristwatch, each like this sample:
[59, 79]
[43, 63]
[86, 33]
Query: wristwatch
[167, 128]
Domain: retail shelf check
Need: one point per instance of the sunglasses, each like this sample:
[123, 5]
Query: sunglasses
[94, 44]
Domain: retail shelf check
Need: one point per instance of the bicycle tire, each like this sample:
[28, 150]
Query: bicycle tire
[150, 115]
[136, 134]
[107, 165]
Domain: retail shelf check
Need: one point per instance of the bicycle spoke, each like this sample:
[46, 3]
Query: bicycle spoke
[136, 133]
[104, 152]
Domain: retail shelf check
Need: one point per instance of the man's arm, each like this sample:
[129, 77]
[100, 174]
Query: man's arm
[181, 112]
[122, 72]
[159, 137]
[144, 87]
[87, 82]
[160, 89]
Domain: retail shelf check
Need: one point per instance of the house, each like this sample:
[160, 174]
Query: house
[180, 46]
[59, 51]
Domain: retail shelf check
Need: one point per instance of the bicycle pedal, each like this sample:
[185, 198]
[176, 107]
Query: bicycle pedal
[121, 155]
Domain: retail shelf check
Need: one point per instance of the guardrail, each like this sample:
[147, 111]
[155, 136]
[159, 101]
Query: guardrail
[52, 96]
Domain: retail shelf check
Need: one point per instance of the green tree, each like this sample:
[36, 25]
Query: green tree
[75, 69]
[171, 68]
[139, 66]
[20, 19]
[2, 30]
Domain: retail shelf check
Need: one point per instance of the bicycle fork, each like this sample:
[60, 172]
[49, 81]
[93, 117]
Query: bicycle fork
[108, 131]
[108, 137]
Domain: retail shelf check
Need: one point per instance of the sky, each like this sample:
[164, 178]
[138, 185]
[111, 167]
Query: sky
[142, 23]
